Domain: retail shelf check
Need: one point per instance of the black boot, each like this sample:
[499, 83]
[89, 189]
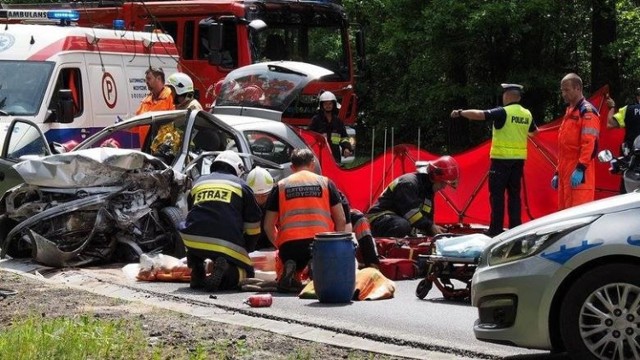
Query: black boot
[212, 282]
[197, 275]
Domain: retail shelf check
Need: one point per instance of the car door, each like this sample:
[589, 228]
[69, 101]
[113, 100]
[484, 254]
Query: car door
[23, 140]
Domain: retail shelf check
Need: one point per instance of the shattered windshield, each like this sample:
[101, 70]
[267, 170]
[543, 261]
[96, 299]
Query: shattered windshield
[22, 86]
[270, 87]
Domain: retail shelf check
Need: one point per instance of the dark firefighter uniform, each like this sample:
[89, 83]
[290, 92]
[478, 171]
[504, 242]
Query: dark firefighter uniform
[223, 221]
[577, 148]
[335, 132]
[408, 202]
[511, 126]
[362, 230]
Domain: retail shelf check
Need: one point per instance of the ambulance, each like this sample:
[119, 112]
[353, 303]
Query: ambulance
[73, 81]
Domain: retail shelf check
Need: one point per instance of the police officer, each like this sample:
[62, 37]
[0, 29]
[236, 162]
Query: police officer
[408, 201]
[512, 124]
[627, 117]
[223, 225]
[327, 122]
[302, 205]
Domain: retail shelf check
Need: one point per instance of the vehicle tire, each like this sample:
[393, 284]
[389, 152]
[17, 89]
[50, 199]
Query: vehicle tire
[600, 315]
[172, 217]
[423, 288]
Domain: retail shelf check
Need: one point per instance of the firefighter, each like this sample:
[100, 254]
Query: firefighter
[160, 96]
[327, 122]
[408, 201]
[512, 123]
[223, 226]
[627, 117]
[301, 205]
[261, 182]
[181, 87]
[577, 146]
[358, 223]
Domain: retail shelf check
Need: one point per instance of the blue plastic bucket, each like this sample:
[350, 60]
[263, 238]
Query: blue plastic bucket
[334, 267]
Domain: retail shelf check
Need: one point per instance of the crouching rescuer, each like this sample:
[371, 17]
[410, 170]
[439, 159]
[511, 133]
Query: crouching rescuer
[223, 226]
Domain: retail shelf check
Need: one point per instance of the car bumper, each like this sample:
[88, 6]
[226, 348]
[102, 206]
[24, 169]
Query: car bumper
[514, 301]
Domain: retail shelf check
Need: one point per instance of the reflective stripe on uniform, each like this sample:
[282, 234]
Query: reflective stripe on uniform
[252, 228]
[216, 245]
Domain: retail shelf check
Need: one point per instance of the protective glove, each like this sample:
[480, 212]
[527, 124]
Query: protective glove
[576, 177]
[554, 182]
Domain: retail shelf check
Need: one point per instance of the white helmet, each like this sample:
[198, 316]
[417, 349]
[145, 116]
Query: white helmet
[260, 181]
[232, 159]
[328, 96]
[181, 82]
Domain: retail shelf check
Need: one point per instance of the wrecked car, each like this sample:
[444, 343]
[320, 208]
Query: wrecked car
[94, 205]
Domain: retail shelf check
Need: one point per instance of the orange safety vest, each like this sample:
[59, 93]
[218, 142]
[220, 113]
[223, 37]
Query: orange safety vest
[304, 207]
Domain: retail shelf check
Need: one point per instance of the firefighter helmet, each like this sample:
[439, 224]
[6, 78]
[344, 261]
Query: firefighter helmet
[260, 181]
[181, 82]
[230, 158]
[329, 96]
[443, 169]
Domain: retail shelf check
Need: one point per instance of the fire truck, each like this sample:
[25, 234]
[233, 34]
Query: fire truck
[217, 36]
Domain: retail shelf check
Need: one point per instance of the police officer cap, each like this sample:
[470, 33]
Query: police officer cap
[638, 92]
[507, 87]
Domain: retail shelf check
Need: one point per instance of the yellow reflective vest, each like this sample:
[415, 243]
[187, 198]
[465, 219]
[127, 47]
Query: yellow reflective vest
[510, 141]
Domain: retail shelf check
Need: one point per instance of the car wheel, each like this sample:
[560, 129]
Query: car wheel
[600, 314]
[424, 286]
[171, 217]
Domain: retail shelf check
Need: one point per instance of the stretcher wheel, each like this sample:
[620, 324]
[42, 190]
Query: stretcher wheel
[424, 286]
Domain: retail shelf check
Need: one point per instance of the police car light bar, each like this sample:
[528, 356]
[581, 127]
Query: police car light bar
[34, 14]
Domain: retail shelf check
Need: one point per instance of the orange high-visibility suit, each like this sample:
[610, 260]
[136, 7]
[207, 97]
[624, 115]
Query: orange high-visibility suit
[577, 148]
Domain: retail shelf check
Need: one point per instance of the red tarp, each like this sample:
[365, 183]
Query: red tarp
[470, 202]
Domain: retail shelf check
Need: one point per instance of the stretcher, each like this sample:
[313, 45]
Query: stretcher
[440, 270]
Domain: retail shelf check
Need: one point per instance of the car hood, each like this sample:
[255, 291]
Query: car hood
[605, 206]
[266, 89]
[84, 168]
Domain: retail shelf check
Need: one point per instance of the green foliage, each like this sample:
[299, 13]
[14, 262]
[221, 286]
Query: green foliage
[427, 58]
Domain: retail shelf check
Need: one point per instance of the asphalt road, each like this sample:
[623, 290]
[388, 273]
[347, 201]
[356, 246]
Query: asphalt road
[432, 324]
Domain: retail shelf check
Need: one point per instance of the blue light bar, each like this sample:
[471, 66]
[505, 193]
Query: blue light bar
[69, 15]
[33, 14]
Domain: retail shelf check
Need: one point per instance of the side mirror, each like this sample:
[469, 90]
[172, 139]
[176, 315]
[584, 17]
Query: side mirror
[605, 156]
[65, 107]
[361, 60]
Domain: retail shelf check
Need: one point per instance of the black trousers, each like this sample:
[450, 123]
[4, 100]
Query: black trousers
[390, 225]
[505, 175]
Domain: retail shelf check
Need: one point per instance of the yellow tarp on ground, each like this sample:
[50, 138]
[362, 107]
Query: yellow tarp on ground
[370, 285]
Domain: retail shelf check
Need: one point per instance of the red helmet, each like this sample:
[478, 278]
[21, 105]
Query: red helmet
[443, 169]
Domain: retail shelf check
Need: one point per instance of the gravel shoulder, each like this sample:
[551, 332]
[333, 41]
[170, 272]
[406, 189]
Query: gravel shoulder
[161, 326]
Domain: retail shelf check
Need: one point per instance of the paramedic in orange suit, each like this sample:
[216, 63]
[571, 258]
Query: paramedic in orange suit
[160, 96]
[577, 146]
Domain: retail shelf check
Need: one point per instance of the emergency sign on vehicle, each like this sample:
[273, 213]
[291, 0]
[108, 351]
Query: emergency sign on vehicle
[72, 81]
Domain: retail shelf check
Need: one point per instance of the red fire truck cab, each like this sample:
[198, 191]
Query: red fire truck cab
[217, 36]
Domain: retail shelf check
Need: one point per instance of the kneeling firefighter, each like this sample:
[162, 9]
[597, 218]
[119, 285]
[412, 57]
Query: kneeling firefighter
[223, 225]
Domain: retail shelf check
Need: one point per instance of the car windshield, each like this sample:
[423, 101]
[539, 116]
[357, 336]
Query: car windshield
[22, 86]
[271, 87]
